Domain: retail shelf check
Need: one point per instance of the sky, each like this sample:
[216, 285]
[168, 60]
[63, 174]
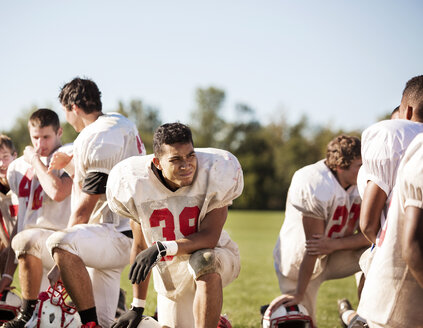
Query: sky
[341, 63]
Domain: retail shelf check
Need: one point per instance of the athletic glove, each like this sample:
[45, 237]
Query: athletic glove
[130, 319]
[145, 261]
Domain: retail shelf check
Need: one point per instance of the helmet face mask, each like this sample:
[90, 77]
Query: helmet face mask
[10, 304]
[52, 311]
[287, 317]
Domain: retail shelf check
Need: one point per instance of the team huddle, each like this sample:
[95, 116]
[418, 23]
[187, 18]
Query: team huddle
[74, 216]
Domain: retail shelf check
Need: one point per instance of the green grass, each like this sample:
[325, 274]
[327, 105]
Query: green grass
[256, 233]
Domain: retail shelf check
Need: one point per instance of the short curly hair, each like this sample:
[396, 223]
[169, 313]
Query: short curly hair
[341, 151]
[83, 93]
[170, 133]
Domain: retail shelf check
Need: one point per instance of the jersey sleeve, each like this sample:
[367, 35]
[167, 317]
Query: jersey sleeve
[312, 198]
[381, 154]
[411, 176]
[120, 193]
[226, 181]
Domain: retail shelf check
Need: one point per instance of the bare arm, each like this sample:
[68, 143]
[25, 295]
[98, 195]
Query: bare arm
[412, 242]
[138, 245]
[321, 245]
[312, 226]
[57, 188]
[374, 200]
[10, 266]
[83, 209]
[208, 235]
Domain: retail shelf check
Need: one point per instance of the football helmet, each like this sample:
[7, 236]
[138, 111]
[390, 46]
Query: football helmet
[148, 322]
[9, 305]
[53, 312]
[290, 316]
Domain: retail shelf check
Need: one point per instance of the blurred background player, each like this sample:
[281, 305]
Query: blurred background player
[44, 207]
[319, 240]
[95, 237]
[8, 210]
[177, 200]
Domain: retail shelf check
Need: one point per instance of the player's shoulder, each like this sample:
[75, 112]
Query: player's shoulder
[315, 179]
[135, 167]
[217, 161]
[398, 128]
[413, 157]
[18, 164]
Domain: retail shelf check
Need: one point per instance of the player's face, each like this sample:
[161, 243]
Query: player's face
[348, 177]
[45, 140]
[6, 157]
[178, 164]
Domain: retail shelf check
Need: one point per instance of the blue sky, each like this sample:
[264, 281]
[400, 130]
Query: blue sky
[341, 63]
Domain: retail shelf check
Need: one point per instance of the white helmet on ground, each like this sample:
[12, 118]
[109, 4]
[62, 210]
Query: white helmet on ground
[290, 316]
[52, 311]
[148, 322]
[9, 305]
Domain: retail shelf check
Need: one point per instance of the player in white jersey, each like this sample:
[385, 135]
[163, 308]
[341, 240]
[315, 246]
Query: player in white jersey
[177, 200]
[44, 207]
[398, 263]
[96, 238]
[384, 145]
[318, 240]
[8, 210]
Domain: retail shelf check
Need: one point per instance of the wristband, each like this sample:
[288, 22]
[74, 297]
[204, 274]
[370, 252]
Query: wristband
[171, 247]
[136, 302]
[5, 275]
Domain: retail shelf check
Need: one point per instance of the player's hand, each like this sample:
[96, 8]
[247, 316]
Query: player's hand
[54, 275]
[30, 153]
[59, 161]
[285, 300]
[144, 262]
[320, 245]
[5, 283]
[130, 319]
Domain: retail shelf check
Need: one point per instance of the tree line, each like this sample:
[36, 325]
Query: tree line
[269, 153]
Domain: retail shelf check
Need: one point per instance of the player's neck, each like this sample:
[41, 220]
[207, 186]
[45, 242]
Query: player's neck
[162, 179]
[87, 119]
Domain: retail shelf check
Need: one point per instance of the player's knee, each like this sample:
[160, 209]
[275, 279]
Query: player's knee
[203, 262]
[26, 242]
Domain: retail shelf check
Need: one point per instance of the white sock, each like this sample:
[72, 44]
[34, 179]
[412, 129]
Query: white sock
[346, 315]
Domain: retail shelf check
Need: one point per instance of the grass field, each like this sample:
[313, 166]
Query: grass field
[256, 233]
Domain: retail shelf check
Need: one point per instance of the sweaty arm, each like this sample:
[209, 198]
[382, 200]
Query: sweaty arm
[374, 199]
[312, 226]
[57, 188]
[412, 242]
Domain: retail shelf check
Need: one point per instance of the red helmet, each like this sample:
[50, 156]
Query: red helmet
[290, 316]
[9, 305]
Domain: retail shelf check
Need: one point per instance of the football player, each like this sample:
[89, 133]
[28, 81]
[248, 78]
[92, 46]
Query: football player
[44, 207]
[8, 210]
[177, 200]
[398, 263]
[95, 237]
[319, 240]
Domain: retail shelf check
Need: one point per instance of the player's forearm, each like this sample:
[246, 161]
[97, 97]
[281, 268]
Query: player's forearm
[196, 241]
[140, 290]
[355, 241]
[55, 187]
[305, 273]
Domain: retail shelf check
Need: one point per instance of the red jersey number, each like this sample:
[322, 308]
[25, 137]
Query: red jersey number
[25, 190]
[350, 219]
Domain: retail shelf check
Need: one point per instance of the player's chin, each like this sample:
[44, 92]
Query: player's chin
[186, 181]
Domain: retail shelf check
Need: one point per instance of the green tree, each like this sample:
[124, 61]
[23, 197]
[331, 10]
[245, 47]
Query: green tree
[208, 127]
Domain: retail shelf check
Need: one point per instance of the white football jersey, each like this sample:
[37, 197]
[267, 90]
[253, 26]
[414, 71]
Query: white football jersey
[314, 192]
[383, 145]
[8, 216]
[134, 191]
[36, 208]
[98, 148]
[391, 296]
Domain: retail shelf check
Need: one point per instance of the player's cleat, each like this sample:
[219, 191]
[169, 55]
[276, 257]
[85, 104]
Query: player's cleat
[343, 306]
[224, 322]
[19, 322]
[91, 324]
